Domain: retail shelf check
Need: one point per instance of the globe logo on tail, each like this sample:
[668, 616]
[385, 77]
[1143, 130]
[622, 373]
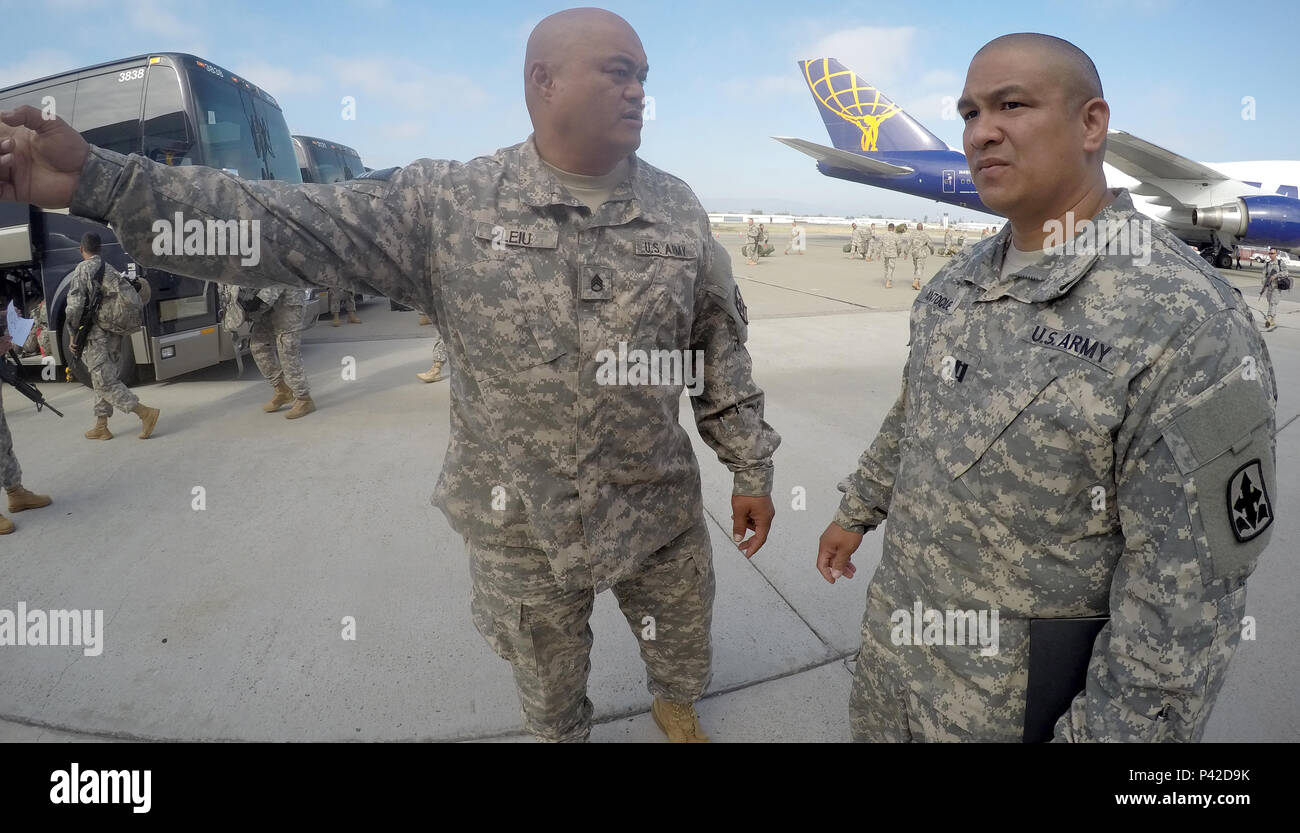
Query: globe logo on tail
[855, 101]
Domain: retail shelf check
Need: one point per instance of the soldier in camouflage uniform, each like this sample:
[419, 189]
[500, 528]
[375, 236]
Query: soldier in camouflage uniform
[920, 246]
[753, 242]
[873, 242]
[435, 373]
[948, 250]
[563, 485]
[341, 299]
[1273, 269]
[11, 474]
[891, 248]
[276, 344]
[103, 352]
[1078, 434]
[857, 242]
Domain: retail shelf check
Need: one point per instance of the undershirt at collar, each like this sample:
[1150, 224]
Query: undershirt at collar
[1014, 260]
[592, 191]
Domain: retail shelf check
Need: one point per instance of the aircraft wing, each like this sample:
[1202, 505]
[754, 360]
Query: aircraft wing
[1142, 160]
[843, 158]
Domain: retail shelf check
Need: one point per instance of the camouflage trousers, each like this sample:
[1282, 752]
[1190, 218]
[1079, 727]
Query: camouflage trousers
[439, 350]
[102, 354]
[342, 299]
[543, 631]
[1270, 295]
[889, 268]
[11, 474]
[275, 341]
[918, 263]
[911, 693]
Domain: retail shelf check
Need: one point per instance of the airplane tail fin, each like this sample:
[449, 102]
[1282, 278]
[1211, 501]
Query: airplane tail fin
[859, 117]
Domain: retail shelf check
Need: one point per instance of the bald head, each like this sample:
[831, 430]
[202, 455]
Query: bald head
[584, 76]
[1062, 61]
[1034, 129]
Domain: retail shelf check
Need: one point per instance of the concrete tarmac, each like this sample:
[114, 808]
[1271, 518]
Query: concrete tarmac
[226, 551]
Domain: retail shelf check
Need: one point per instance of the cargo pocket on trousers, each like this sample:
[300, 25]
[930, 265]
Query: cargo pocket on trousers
[1223, 448]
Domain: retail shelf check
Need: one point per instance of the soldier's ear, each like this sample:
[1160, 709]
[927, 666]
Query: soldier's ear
[540, 79]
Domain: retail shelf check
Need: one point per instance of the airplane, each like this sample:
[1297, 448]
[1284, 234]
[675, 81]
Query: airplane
[1212, 206]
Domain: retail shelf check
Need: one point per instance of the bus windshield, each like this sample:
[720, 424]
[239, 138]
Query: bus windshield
[332, 163]
[239, 131]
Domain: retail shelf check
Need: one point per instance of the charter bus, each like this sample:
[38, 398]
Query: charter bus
[323, 161]
[175, 109]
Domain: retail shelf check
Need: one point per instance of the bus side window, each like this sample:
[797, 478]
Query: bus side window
[108, 114]
[167, 135]
[59, 99]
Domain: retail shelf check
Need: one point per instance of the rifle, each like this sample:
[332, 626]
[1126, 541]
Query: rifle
[9, 373]
[82, 334]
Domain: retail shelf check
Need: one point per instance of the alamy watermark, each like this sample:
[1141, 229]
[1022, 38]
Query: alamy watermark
[671, 368]
[209, 238]
[1129, 238]
[36, 627]
[922, 626]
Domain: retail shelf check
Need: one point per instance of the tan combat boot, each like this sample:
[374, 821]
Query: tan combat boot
[100, 431]
[21, 500]
[678, 721]
[148, 418]
[283, 396]
[424, 319]
[301, 407]
[337, 322]
[433, 374]
[6, 525]
[352, 318]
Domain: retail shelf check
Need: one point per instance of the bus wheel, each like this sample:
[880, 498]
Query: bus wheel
[126, 368]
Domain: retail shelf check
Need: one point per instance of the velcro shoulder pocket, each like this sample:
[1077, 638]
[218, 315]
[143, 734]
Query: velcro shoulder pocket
[1222, 444]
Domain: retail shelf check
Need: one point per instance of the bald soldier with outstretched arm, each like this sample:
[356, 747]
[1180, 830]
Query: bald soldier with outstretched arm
[1083, 430]
[540, 264]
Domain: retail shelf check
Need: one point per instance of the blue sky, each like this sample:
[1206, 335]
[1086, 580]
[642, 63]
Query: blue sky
[445, 80]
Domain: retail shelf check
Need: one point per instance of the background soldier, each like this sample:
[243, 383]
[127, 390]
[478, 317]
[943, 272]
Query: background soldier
[435, 373]
[1274, 268]
[526, 477]
[873, 242]
[797, 241]
[889, 251]
[948, 250]
[857, 242]
[103, 350]
[276, 344]
[921, 247]
[11, 474]
[753, 238]
[1149, 503]
[343, 299]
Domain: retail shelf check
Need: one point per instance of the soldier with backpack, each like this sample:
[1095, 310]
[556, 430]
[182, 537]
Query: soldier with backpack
[103, 308]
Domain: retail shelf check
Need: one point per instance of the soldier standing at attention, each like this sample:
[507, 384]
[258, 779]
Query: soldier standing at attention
[1078, 434]
[11, 474]
[103, 349]
[1273, 269]
[535, 263]
[921, 247]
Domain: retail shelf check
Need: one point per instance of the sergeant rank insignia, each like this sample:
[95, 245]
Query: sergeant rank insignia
[1248, 506]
